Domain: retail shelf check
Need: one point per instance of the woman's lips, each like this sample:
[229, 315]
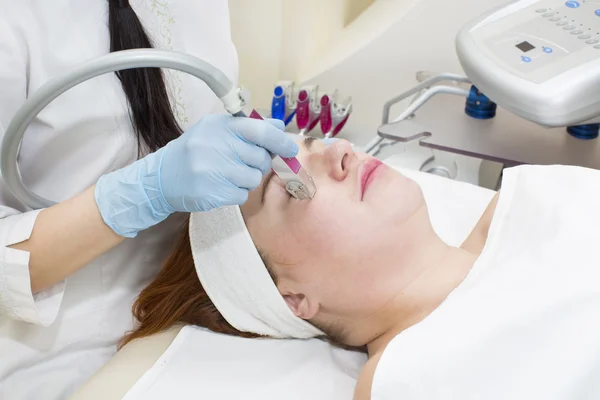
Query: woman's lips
[368, 174]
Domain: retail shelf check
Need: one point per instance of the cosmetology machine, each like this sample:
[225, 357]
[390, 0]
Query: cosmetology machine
[310, 108]
[298, 182]
[532, 89]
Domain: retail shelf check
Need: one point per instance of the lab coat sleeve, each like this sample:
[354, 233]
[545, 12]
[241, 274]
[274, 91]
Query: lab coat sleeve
[16, 298]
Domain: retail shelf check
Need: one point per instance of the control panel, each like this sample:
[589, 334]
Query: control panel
[543, 39]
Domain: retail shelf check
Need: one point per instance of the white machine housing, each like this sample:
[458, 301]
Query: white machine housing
[539, 59]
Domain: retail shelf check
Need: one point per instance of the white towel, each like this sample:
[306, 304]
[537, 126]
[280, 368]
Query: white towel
[524, 323]
[237, 281]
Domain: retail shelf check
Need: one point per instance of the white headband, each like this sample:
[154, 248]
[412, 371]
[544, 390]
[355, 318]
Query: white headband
[236, 279]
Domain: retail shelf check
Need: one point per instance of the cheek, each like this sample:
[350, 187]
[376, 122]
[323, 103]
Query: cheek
[335, 225]
[337, 249]
[351, 288]
[332, 231]
[324, 222]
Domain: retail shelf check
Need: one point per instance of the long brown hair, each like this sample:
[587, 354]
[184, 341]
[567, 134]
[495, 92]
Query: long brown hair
[176, 296]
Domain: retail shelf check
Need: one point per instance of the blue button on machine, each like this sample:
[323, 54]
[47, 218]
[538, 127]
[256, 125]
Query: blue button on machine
[598, 13]
[548, 50]
[572, 4]
[526, 59]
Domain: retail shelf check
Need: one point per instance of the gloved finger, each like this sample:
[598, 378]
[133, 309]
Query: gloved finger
[253, 156]
[234, 196]
[244, 177]
[277, 123]
[267, 136]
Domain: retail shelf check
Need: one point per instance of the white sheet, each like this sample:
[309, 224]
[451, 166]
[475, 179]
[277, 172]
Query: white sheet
[205, 365]
[525, 323]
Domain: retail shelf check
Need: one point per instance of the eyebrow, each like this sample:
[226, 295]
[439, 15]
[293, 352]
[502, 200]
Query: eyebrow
[270, 176]
[308, 144]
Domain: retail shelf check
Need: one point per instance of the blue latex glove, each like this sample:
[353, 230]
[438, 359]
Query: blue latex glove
[215, 163]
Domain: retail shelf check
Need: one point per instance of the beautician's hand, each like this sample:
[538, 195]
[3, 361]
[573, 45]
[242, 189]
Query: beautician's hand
[213, 164]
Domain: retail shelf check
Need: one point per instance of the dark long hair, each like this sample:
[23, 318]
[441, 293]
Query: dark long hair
[149, 107]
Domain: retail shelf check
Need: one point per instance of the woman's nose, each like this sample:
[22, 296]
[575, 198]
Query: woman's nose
[339, 156]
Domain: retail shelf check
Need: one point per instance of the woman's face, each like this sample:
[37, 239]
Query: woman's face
[336, 254]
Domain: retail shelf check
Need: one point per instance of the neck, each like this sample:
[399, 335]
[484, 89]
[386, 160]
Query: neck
[439, 269]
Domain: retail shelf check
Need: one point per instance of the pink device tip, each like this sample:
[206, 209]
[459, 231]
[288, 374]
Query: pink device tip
[255, 115]
[292, 162]
[326, 121]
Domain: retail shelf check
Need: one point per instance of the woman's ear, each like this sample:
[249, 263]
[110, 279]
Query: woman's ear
[301, 306]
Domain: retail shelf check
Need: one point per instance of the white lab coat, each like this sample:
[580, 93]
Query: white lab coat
[52, 342]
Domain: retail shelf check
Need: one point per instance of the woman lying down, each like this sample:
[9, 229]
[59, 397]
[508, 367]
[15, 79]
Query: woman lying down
[514, 313]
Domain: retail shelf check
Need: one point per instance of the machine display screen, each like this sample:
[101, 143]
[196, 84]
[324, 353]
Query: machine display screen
[525, 47]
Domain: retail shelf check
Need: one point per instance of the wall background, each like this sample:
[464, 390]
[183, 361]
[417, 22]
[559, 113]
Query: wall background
[368, 49]
[278, 39]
